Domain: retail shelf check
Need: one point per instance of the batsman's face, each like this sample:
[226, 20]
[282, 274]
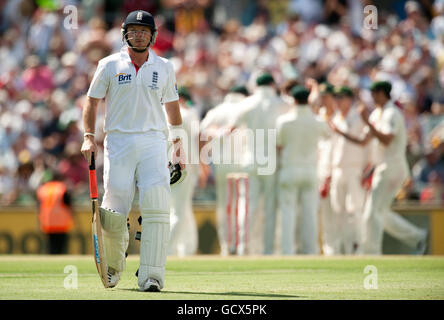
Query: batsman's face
[139, 36]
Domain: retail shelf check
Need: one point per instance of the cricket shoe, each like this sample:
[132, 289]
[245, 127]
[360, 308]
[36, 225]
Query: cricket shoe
[113, 277]
[152, 285]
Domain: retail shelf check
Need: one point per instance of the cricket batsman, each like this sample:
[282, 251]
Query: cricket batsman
[140, 88]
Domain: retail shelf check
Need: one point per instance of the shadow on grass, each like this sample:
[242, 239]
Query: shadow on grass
[233, 294]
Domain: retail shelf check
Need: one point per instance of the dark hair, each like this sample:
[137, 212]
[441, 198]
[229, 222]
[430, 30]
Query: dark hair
[302, 100]
[300, 94]
[288, 85]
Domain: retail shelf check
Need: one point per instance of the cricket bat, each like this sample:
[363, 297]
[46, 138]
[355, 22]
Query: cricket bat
[99, 256]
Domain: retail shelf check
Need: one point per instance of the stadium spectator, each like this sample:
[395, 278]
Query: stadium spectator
[45, 67]
[430, 169]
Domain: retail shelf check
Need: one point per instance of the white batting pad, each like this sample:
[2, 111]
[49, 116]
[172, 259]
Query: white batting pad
[115, 237]
[155, 199]
[155, 209]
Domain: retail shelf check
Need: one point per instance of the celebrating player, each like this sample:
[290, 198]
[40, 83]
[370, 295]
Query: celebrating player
[298, 135]
[386, 124]
[348, 162]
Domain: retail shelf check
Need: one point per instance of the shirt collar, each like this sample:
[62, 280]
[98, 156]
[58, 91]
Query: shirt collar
[265, 91]
[388, 104]
[233, 97]
[303, 109]
[125, 55]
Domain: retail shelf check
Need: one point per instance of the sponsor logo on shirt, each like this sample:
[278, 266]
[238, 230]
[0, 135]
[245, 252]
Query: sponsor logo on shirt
[123, 78]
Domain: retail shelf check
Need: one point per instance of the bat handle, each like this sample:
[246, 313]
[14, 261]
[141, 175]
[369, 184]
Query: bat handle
[92, 166]
[93, 179]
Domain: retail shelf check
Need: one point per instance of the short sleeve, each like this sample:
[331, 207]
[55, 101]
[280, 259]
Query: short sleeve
[100, 82]
[170, 91]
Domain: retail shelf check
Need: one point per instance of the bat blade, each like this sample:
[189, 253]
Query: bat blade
[97, 238]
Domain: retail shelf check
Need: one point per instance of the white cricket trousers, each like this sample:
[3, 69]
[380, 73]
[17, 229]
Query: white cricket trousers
[138, 159]
[298, 187]
[347, 201]
[329, 222]
[183, 232]
[387, 181]
[262, 185]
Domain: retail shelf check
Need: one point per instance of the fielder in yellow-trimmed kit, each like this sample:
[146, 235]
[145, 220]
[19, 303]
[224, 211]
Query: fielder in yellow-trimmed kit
[142, 113]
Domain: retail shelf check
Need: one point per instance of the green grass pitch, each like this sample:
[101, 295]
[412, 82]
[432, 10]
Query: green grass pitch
[231, 278]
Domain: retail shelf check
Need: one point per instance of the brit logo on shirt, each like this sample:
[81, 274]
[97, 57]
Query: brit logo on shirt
[154, 81]
[123, 78]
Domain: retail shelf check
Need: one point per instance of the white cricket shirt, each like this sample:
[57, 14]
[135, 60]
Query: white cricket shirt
[134, 99]
[347, 154]
[220, 118]
[389, 120]
[298, 133]
[259, 112]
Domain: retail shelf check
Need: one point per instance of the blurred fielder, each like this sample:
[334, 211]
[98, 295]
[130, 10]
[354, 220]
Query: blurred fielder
[138, 85]
[260, 112]
[322, 96]
[385, 124]
[183, 232]
[348, 162]
[298, 134]
[216, 120]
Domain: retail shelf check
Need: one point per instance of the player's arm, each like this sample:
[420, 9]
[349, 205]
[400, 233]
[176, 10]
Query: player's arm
[173, 113]
[361, 141]
[89, 124]
[175, 120]
[97, 91]
[384, 138]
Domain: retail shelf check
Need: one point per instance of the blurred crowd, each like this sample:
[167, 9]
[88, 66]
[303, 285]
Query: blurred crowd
[49, 53]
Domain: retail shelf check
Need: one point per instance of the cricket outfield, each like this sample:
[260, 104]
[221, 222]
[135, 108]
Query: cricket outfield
[232, 278]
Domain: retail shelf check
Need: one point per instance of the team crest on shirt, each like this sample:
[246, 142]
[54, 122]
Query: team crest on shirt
[154, 81]
[123, 78]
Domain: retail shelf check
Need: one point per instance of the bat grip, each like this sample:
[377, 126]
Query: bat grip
[93, 179]
[92, 166]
